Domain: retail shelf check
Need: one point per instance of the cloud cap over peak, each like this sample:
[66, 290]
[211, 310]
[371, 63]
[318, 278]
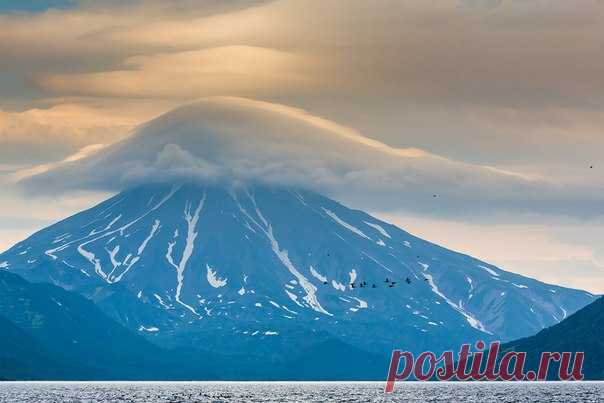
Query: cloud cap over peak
[234, 141]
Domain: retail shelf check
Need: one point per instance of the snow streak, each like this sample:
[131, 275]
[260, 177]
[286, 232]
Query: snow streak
[345, 224]
[191, 219]
[475, 323]
[267, 229]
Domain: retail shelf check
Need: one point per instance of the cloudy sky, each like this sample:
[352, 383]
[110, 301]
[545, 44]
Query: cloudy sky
[496, 106]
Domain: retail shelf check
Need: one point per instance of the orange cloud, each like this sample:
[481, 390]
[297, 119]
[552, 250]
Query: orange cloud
[221, 70]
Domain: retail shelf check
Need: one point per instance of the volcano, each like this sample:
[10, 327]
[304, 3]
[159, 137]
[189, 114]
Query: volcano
[189, 258]
[189, 265]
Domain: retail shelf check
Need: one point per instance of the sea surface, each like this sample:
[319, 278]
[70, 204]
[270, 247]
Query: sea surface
[300, 392]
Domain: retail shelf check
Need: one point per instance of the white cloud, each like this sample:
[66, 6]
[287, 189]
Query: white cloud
[239, 140]
[85, 152]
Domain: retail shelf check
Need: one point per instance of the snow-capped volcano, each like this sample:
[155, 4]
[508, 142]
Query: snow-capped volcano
[233, 267]
[218, 243]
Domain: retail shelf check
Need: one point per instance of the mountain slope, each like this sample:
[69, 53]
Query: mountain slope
[50, 333]
[21, 355]
[581, 331]
[258, 269]
[56, 334]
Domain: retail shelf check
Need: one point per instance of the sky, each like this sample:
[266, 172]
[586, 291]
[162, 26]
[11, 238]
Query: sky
[496, 106]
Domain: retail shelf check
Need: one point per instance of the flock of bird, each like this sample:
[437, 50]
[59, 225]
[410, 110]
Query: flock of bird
[364, 284]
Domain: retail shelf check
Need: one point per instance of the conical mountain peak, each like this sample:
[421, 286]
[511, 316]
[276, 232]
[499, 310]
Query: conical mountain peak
[261, 266]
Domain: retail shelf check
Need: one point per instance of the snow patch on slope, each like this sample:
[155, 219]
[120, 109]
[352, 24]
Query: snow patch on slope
[489, 270]
[142, 246]
[345, 224]
[150, 329]
[361, 303]
[338, 286]
[267, 229]
[191, 220]
[317, 275]
[91, 257]
[379, 228]
[294, 298]
[353, 276]
[475, 323]
[214, 280]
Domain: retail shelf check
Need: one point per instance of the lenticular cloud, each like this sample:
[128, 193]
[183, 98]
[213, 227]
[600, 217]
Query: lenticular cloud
[234, 140]
[237, 141]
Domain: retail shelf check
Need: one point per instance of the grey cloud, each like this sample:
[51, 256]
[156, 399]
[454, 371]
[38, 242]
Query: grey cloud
[521, 53]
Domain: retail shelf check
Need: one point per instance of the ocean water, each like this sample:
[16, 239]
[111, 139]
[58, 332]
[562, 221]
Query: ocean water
[300, 392]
